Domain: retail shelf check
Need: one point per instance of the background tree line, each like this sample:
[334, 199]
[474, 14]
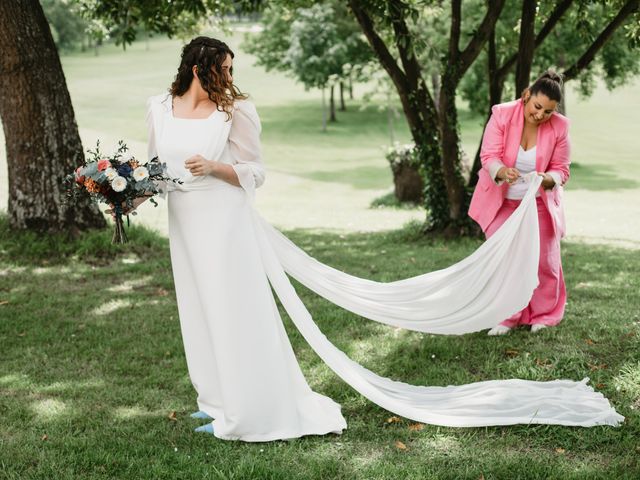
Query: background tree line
[485, 51]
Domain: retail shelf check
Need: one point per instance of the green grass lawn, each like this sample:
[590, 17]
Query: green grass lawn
[92, 368]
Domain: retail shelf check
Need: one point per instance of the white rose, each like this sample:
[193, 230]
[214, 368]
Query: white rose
[111, 173]
[119, 183]
[140, 173]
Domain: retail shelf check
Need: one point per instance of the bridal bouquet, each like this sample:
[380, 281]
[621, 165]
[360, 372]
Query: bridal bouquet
[118, 179]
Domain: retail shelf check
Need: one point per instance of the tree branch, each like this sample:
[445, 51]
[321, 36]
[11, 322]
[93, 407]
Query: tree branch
[454, 37]
[546, 29]
[378, 45]
[404, 44]
[583, 62]
[469, 54]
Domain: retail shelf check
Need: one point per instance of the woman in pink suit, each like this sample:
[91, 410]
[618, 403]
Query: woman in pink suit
[523, 136]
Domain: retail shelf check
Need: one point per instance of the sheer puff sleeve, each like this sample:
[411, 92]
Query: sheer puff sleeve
[244, 144]
[152, 150]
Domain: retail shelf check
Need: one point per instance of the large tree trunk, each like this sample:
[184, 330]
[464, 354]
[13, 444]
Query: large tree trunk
[448, 113]
[43, 144]
[457, 63]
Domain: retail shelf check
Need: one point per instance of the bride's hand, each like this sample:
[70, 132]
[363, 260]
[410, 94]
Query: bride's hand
[126, 210]
[199, 166]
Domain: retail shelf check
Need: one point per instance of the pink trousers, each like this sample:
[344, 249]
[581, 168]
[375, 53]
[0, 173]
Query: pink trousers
[549, 298]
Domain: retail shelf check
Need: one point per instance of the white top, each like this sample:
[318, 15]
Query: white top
[525, 163]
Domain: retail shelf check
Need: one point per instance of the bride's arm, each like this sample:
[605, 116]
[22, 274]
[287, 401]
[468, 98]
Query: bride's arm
[247, 170]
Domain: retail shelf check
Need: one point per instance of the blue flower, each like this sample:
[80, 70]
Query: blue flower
[124, 170]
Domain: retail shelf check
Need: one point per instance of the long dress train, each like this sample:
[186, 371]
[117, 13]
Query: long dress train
[226, 258]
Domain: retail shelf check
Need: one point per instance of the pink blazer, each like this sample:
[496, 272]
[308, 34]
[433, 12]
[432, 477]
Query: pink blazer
[500, 145]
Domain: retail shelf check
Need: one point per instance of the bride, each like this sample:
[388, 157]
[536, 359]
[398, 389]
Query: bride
[226, 258]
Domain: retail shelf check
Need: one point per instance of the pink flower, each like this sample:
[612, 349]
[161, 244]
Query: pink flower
[79, 178]
[103, 164]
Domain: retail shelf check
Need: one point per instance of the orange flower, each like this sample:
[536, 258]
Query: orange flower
[134, 164]
[91, 185]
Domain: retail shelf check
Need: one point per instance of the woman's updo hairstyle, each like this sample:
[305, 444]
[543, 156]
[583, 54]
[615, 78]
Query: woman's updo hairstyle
[549, 84]
[208, 54]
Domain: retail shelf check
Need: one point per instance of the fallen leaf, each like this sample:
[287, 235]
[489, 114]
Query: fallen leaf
[393, 420]
[595, 366]
[511, 352]
[400, 445]
[412, 260]
[588, 341]
[416, 427]
[45, 437]
[481, 477]
[22, 334]
[172, 416]
[560, 450]
[161, 292]
[4, 302]
[600, 385]
[545, 362]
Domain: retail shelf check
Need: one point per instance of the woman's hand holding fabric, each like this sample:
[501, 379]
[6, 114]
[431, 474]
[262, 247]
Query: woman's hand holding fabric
[547, 181]
[510, 175]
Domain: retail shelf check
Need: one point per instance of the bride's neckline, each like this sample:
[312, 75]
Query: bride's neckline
[171, 114]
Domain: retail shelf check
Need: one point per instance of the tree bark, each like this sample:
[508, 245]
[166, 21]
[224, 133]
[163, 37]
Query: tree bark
[458, 62]
[526, 46]
[343, 107]
[42, 139]
[496, 85]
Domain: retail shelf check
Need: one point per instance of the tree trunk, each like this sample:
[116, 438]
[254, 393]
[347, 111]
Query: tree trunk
[332, 105]
[343, 107]
[448, 115]
[496, 85]
[350, 88]
[43, 144]
[324, 111]
[526, 46]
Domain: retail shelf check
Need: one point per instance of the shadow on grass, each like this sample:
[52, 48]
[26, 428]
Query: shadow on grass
[598, 177]
[101, 382]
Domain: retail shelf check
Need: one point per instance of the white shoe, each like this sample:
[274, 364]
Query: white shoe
[499, 330]
[537, 327]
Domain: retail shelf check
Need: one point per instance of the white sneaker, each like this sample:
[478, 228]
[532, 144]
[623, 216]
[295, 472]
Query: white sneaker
[537, 327]
[499, 330]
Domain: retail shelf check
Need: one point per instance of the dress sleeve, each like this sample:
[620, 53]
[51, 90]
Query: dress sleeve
[244, 144]
[152, 151]
[492, 151]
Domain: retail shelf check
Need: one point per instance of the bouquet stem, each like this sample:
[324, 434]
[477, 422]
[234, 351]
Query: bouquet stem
[119, 234]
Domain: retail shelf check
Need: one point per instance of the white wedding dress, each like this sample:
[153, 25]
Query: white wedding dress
[226, 259]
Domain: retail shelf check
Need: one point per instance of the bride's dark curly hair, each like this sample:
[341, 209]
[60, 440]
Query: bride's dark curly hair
[208, 54]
